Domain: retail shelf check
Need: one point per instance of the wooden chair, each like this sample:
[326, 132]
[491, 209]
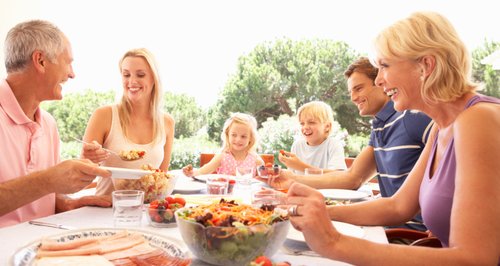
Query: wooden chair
[349, 161]
[417, 238]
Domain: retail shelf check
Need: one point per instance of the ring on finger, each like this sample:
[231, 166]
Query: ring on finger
[293, 210]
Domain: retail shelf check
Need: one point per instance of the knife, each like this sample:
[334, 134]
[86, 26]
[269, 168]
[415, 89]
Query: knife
[60, 226]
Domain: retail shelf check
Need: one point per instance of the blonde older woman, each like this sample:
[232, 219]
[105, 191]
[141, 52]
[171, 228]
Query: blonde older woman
[455, 184]
[137, 122]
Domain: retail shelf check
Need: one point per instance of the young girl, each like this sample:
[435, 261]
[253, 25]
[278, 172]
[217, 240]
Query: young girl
[239, 141]
[317, 149]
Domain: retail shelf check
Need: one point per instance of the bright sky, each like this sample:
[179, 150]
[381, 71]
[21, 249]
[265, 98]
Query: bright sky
[197, 43]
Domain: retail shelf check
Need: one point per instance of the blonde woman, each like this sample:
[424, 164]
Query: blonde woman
[137, 122]
[455, 184]
[317, 148]
[239, 143]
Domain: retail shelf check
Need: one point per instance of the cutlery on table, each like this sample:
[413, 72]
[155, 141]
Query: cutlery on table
[60, 226]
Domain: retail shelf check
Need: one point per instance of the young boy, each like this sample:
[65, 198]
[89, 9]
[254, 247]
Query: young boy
[317, 148]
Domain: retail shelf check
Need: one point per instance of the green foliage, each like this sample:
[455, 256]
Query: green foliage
[188, 116]
[277, 78]
[187, 150]
[485, 73]
[355, 143]
[74, 110]
[70, 150]
[278, 134]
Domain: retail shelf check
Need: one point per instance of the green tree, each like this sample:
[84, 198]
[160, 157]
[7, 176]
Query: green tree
[73, 112]
[485, 73]
[278, 77]
[189, 117]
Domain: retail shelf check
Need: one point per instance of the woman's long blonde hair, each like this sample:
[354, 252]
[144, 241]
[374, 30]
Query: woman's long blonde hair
[156, 104]
[244, 119]
[429, 33]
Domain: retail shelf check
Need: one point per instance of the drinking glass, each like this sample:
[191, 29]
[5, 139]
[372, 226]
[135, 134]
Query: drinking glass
[268, 197]
[244, 175]
[217, 185]
[269, 171]
[127, 207]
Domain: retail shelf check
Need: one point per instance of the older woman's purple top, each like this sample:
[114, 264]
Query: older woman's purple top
[436, 192]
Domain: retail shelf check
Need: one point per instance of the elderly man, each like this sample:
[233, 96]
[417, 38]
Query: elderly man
[33, 182]
[396, 141]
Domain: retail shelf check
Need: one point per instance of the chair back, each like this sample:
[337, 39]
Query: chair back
[349, 161]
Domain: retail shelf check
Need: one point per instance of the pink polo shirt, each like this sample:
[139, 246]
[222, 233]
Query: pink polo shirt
[26, 147]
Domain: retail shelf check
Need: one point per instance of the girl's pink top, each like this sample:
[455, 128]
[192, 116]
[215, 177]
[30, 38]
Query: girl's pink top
[229, 163]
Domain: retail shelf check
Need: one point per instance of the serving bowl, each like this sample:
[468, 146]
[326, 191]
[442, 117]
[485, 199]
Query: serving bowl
[157, 185]
[161, 212]
[235, 244]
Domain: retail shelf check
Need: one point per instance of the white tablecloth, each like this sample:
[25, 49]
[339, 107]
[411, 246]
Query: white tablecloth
[14, 237]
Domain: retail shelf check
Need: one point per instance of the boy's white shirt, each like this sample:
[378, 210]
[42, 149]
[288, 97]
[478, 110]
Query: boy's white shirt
[327, 155]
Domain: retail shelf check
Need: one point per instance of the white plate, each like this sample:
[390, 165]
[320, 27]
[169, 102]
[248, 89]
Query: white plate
[186, 185]
[26, 255]
[344, 228]
[343, 194]
[125, 173]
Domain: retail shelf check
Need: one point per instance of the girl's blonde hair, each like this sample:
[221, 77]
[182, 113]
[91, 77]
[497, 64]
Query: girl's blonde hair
[244, 119]
[156, 103]
[429, 33]
[318, 110]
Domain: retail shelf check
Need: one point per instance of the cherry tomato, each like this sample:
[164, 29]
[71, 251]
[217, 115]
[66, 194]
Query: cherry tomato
[169, 200]
[282, 152]
[263, 261]
[180, 201]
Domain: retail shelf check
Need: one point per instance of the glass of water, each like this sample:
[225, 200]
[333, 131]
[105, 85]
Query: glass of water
[217, 185]
[127, 208]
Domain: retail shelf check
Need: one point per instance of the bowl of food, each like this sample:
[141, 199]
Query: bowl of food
[228, 233]
[157, 185]
[161, 212]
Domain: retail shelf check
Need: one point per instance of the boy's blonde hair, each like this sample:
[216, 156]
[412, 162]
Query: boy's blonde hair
[317, 110]
[244, 119]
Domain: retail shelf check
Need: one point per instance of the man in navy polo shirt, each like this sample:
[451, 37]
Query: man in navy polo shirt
[396, 141]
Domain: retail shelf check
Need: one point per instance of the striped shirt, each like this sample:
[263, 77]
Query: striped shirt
[397, 138]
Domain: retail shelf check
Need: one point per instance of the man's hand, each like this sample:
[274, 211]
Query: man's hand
[73, 175]
[64, 203]
[281, 182]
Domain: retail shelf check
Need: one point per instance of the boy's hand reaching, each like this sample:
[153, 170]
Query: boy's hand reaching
[290, 160]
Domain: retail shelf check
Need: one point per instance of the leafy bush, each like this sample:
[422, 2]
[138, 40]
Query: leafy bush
[189, 117]
[355, 143]
[277, 134]
[73, 112]
[187, 150]
[70, 150]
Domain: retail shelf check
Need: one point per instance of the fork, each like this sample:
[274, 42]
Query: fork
[297, 252]
[84, 142]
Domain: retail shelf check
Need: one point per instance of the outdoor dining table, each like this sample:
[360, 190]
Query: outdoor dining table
[12, 238]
